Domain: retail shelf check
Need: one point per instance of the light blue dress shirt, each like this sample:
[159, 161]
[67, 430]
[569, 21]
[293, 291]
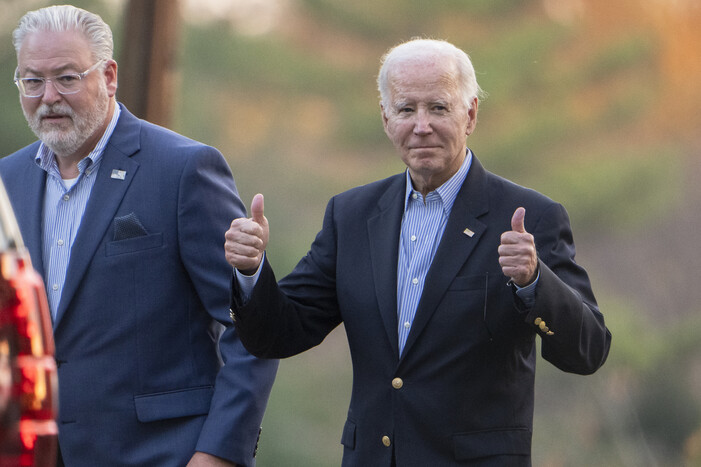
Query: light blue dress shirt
[64, 205]
[422, 228]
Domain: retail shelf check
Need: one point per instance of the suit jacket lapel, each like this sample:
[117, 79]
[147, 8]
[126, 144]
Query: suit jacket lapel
[383, 230]
[29, 215]
[455, 247]
[106, 195]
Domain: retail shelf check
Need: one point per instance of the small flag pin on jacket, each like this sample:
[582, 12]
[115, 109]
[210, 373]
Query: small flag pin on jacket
[119, 174]
[468, 232]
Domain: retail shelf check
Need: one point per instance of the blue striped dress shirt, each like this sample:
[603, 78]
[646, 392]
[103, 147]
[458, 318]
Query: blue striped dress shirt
[422, 228]
[64, 205]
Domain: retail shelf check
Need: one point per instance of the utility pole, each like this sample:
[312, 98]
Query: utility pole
[148, 65]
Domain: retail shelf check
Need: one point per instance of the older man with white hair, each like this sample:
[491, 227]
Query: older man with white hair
[443, 276]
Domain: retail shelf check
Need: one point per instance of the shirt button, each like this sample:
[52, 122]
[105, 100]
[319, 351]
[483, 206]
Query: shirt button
[397, 383]
[386, 441]
[54, 287]
[407, 325]
[59, 242]
[414, 281]
[413, 238]
[66, 197]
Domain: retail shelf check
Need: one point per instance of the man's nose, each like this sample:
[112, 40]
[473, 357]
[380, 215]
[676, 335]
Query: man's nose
[422, 126]
[51, 94]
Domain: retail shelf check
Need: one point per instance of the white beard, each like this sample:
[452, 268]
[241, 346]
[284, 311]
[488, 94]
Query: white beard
[68, 140]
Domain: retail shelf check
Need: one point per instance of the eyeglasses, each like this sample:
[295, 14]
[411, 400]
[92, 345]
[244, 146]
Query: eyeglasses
[70, 83]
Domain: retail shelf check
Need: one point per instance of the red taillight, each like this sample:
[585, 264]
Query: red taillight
[28, 383]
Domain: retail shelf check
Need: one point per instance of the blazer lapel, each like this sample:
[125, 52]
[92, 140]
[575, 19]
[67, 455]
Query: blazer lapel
[29, 215]
[383, 230]
[455, 247]
[106, 195]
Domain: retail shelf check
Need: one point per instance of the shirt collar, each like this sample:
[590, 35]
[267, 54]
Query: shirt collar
[45, 157]
[449, 190]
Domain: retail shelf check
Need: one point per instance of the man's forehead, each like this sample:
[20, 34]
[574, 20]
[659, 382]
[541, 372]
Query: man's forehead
[425, 83]
[54, 42]
[51, 49]
[422, 69]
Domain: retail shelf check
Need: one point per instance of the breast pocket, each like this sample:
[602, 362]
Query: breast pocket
[460, 315]
[474, 282]
[135, 244]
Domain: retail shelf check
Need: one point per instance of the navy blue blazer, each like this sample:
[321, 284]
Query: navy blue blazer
[140, 379]
[461, 393]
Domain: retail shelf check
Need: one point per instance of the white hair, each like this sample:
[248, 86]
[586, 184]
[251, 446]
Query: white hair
[61, 18]
[418, 48]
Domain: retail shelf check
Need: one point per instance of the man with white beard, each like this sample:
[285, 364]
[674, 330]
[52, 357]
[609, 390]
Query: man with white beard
[124, 221]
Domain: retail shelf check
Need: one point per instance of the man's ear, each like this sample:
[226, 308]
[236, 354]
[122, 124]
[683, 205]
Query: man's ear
[384, 116]
[472, 115]
[111, 77]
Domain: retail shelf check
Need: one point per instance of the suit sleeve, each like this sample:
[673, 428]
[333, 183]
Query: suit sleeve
[286, 319]
[574, 336]
[208, 202]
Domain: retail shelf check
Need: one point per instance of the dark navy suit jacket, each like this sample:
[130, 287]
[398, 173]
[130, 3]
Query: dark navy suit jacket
[140, 379]
[461, 393]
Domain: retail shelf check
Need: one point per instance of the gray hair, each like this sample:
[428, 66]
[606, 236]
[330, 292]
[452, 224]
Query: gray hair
[61, 18]
[417, 48]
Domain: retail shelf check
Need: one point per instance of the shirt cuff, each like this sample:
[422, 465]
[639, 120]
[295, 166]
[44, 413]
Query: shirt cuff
[527, 293]
[247, 283]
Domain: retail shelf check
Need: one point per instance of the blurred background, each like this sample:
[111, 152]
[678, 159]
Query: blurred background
[594, 103]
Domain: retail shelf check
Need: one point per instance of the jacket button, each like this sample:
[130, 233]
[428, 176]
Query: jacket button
[386, 441]
[397, 383]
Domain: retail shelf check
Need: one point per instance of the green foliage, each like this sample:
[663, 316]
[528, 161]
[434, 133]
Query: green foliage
[302, 426]
[259, 62]
[14, 132]
[668, 412]
[514, 66]
[619, 188]
[631, 333]
[617, 57]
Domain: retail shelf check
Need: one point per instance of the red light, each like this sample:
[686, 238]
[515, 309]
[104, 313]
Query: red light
[28, 432]
[28, 437]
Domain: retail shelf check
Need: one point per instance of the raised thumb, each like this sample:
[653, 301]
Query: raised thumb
[257, 209]
[517, 220]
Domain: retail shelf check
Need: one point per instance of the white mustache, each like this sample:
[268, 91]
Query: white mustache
[55, 109]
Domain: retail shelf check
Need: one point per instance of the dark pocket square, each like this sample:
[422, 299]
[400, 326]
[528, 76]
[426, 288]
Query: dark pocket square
[128, 226]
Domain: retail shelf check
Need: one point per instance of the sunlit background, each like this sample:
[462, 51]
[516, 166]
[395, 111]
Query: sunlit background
[595, 103]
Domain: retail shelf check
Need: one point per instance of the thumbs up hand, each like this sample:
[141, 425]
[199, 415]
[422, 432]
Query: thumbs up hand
[247, 238]
[517, 254]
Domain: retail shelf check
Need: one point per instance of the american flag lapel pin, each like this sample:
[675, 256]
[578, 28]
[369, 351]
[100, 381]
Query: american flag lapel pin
[468, 232]
[119, 174]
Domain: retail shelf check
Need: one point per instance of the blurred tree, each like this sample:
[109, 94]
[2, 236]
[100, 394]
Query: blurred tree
[149, 65]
